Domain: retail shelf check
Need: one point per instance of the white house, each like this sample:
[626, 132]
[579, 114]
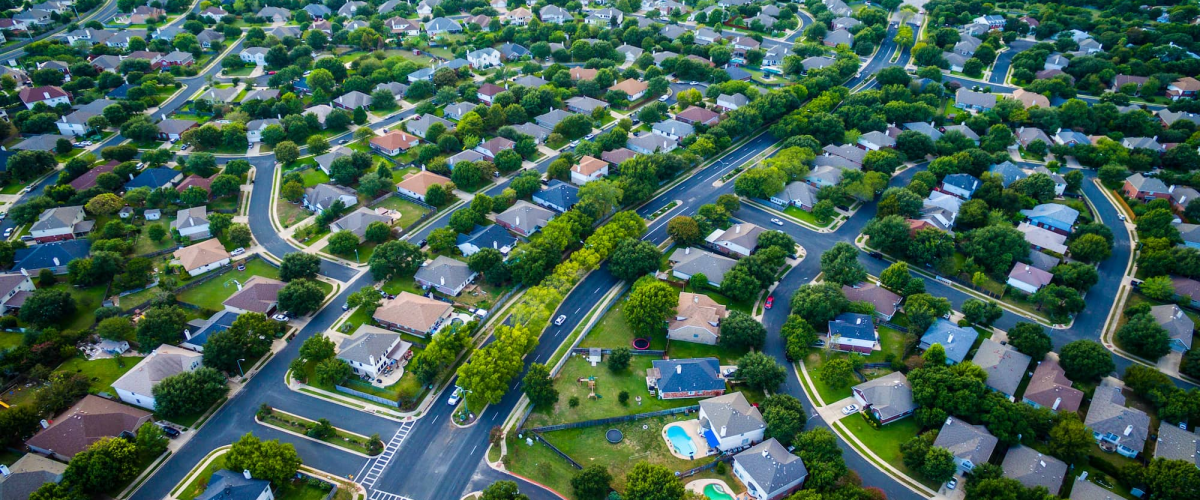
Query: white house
[729, 422]
[372, 350]
[739, 240]
[255, 128]
[588, 169]
[136, 386]
[1027, 278]
[255, 55]
[14, 289]
[484, 58]
[192, 223]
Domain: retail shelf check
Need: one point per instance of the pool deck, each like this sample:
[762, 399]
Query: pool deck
[698, 485]
[692, 427]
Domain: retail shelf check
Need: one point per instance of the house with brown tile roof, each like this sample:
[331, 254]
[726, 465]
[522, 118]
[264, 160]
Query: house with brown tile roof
[197, 181]
[91, 419]
[697, 319]
[258, 294]
[414, 314]
[1050, 388]
[588, 169]
[418, 184]
[632, 88]
[886, 303]
[202, 257]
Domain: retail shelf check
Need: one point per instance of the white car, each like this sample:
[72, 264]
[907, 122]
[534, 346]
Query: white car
[280, 317]
[850, 410]
[8, 232]
[777, 222]
[662, 99]
[455, 396]
[953, 483]
[26, 189]
[562, 318]
[238, 251]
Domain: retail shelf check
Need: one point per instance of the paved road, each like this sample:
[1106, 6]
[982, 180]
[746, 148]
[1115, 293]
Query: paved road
[102, 13]
[1004, 59]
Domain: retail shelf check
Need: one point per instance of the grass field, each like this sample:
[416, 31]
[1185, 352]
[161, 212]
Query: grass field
[886, 441]
[9, 340]
[614, 331]
[135, 299]
[144, 245]
[608, 386]
[409, 212]
[805, 216]
[408, 391]
[101, 372]
[87, 300]
[213, 293]
[289, 213]
[301, 490]
[313, 176]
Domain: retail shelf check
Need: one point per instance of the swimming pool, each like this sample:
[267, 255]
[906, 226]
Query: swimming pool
[681, 441]
[716, 492]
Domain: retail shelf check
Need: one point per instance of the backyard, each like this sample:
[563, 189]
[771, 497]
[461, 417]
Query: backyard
[212, 294]
[608, 386]
[409, 212]
[101, 372]
[890, 341]
[885, 442]
[143, 245]
[87, 300]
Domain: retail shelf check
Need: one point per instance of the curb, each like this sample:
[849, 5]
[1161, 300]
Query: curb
[318, 441]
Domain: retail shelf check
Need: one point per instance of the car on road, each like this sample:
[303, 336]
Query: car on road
[662, 99]
[455, 396]
[280, 317]
[271, 73]
[562, 318]
[3, 215]
[875, 255]
[1121, 216]
[26, 189]
[850, 410]
[952, 483]
[8, 232]
[574, 143]
[777, 222]
[770, 302]
[343, 141]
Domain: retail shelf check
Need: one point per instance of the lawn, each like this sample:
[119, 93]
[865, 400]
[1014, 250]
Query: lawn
[9, 340]
[805, 216]
[400, 173]
[137, 298]
[144, 245]
[290, 213]
[8, 457]
[614, 331]
[296, 423]
[365, 249]
[200, 482]
[886, 441]
[829, 393]
[243, 71]
[482, 295]
[407, 391]
[540, 463]
[608, 386]
[213, 293]
[87, 300]
[313, 176]
[402, 284]
[101, 372]
[687, 350]
[409, 212]
[301, 490]
[226, 203]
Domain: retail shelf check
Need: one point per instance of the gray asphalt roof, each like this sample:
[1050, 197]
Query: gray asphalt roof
[955, 340]
[1033, 469]
[966, 441]
[853, 326]
[691, 261]
[700, 374]
[890, 395]
[454, 271]
[1004, 365]
[1178, 325]
[1177, 444]
[1108, 415]
[731, 412]
[771, 465]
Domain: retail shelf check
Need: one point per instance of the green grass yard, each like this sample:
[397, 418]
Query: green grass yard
[805, 216]
[144, 245]
[608, 386]
[213, 293]
[409, 212]
[101, 372]
[886, 441]
[200, 482]
[87, 300]
[313, 176]
[9, 340]
[614, 331]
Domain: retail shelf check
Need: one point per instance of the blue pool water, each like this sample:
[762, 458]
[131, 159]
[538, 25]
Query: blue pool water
[681, 441]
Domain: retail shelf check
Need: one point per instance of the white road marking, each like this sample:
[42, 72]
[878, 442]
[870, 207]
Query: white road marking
[379, 463]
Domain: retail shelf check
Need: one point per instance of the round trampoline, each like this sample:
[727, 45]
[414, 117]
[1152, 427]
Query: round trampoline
[641, 344]
[614, 436]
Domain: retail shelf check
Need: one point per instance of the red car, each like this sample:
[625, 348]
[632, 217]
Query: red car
[770, 301]
[270, 72]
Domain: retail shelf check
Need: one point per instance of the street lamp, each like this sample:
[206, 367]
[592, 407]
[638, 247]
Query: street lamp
[356, 256]
[239, 363]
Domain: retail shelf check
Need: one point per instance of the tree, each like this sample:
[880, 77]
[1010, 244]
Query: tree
[287, 152]
[840, 265]
[332, 371]
[395, 258]
[995, 247]
[649, 304]
[837, 372]
[249, 337]
[914, 451]
[618, 359]
[592, 483]
[776, 239]
[300, 297]
[502, 490]
[1077, 275]
[818, 304]
[151, 441]
[1090, 248]
[760, 182]
[270, 460]
[1143, 336]
[760, 371]
[116, 328]
[898, 279]
[317, 348]
[539, 386]
[980, 312]
[377, 232]
[633, 259]
[299, 265]
[684, 230]
[822, 456]
[1086, 360]
[343, 242]
[923, 309]
[106, 462]
[1172, 479]
[798, 335]
[939, 465]
[652, 482]
[239, 235]
[1157, 287]
[1070, 440]
[189, 392]
[785, 417]
[741, 331]
[1031, 339]
[17, 423]
[160, 325]
[104, 204]
[47, 306]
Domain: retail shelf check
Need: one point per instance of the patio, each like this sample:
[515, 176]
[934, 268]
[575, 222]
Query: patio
[689, 429]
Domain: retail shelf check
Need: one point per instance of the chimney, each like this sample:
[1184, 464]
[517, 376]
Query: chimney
[766, 454]
[495, 244]
[45, 424]
[722, 431]
[518, 221]
[1057, 402]
[246, 474]
[696, 299]
[949, 421]
[737, 228]
[679, 369]
[47, 94]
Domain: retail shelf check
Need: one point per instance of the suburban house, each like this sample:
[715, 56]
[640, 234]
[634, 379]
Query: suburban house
[876, 140]
[371, 350]
[1008, 173]
[1181, 196]
[52, 256]
[484, 58]
[192, 223]
[325, 161]
[255, 128]
[225, 484]
[1004, 365]
[136, 386]
[491, 148]
[1140, 187]
[172, 129]
[839, 37]
[524, 218]
[21, 479]
[446, 275]
[258, 294]
[974, 101]
[960, 185]
[416, 185]
[61, 223]
[955, 340]
[394, 142]
[155, 178]
[685, 378]
[797, 194]
[322, 196]
[1031, 99]
[254, 55]
[1058, 218]
[617, 156]
[199, 330]
[357, 221]
[352, 100]
[1027, 278]
[739, 240]
[852, 332]
[769, 470]
[588, 169]
[415, 314]
[1185, 87]
[732, 102]
[1177, 324]
[419, 125]
[1175, 443]
[558, 196]
[729, 422]
[649, 143]
[888, 398]
[673, 129]
[493, 236]
[1032, 469]
[1060, 182]
[14, 289]
[488, 91]
[697, 319]
[687, 262]
[91, 419]
[970, 444]
[202, 257]
[1115, 426]
[584, 104]
[633, 88]
[698, 116]
[50, 95]
[886, 303]
[1050, 388]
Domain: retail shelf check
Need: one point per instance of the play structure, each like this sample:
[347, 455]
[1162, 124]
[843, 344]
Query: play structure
[641, 344]
[591, 384]
[614, 436]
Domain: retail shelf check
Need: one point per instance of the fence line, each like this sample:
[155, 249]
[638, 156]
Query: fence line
[635, 352]
[613, 420]
[369, 397]
[894, 326]
[538, 437]
[697, 470]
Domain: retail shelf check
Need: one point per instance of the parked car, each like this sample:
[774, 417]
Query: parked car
[280, 317]
[850, 410]
[238, 251]
[562, 318]
[953, 483]
[662, 99]
[770, 302]
[171, 432]
[876, 255]
[819, 343]
[8, 232]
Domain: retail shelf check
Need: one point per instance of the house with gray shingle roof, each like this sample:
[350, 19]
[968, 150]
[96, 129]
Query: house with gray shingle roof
[955, 340]
[1052, 216]
[769, 470]
[960, 185]
[887, 398]
[970, 444]
[1033, 469]
[1175, 443]
[729, 422]
[974, 101]
[420, 125]
[357, 221]
[371, 350]
[885, 302]
[552, 118]
[798, 194]
[136, 386]
[1084, 489]
[1115, 426]
[1140, 187]
[524, 218]
[1178, 325]
[440, 25]
[688, 262]
[28, 474]
[1004, 365]
[1008, 172]
[447, 275]
[493, 236]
